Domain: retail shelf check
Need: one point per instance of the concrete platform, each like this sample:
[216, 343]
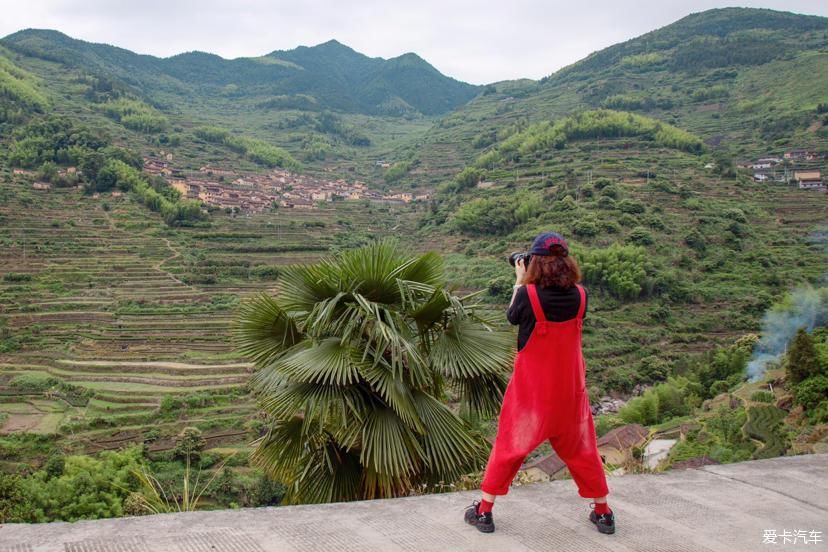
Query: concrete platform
[716, 508]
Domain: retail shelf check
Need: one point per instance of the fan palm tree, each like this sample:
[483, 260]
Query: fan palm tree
[356, 359]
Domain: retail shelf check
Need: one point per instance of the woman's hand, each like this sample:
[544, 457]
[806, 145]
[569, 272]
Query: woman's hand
[520, 272]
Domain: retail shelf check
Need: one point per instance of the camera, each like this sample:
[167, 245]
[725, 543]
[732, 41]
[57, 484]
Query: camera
[522, 255]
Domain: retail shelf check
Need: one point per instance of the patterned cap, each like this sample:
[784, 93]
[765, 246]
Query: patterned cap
[544, 243]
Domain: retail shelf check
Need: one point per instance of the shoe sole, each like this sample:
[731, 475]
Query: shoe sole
[482, 528]
[602, 529]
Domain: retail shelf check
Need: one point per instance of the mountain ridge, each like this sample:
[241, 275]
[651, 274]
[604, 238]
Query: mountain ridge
[338, 76]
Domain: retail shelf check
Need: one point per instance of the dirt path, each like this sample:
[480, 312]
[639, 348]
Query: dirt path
[159, 364]
[175, 254]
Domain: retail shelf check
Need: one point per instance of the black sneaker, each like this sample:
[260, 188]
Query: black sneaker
[483, 522]
[604, 522]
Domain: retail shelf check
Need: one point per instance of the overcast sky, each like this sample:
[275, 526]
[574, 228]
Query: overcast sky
[478, 41]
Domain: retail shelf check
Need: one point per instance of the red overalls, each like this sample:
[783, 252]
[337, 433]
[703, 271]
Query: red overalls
[546, 399]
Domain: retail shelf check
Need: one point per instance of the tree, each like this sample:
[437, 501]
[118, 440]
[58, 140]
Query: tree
[355, 358]
[802, 359]
[189, 443]
[811, 392]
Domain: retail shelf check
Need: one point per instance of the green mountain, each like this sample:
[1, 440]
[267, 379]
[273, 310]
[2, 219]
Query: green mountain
[747, 81]
[327, 76]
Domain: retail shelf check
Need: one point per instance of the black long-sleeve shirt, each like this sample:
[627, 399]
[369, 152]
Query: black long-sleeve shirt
[558, 304]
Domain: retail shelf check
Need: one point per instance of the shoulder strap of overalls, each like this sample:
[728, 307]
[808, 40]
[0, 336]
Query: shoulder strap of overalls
[582, 306]
[536, 306]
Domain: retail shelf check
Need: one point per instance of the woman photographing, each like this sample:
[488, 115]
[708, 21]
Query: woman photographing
[546, 398]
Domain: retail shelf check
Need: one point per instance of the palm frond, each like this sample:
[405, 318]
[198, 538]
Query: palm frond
[388, 445]
[370, 271]
[302, 286]
[262, 329]
[325, 316]
[382, 485]
[393, 390]
[482, 396]
[331, 474]
[329, 406]
[326, 362]
[465, 350]
[432, 310]
[280, 451]
[450, 449]
[426, 269]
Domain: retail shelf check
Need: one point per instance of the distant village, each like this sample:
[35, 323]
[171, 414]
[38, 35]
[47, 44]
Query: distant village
[800, 166]
[252, 193]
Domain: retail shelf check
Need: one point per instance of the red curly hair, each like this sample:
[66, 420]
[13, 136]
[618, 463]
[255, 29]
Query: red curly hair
[554, 270]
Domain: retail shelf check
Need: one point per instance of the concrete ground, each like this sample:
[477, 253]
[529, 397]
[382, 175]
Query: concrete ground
[720, 508]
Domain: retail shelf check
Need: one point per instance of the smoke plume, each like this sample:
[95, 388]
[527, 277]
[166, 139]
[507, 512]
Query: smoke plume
[802, 308]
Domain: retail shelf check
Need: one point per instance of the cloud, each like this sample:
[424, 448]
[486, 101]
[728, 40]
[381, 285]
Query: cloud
[479, 42]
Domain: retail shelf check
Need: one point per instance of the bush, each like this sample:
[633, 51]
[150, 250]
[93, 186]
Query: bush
[695, 241]
[819, 414]
[660, 403]
[762, 396]
[86, 488]
[621, 270]
[605, 202]
[611, 191]
[631, 206]
[585, 228]
[469, 177]
[33, 382]
[136, 115]
[641, 236]
[500, 216]
[811, 392]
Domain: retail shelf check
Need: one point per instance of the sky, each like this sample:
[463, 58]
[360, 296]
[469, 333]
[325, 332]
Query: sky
[478, 41]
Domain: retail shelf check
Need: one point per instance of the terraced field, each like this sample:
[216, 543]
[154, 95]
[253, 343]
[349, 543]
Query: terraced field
[131, 319]
[765, 425]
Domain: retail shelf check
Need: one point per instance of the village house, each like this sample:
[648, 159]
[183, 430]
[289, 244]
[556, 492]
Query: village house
[615, 448]
[156, 166]
[809, 180]
[807, 155]
[216, 171]
[41, 185]
[402, 196]
[302, 204]
[546, 468]
[616, 445]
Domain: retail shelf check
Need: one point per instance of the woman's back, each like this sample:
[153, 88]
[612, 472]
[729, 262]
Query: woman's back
[558, 304]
